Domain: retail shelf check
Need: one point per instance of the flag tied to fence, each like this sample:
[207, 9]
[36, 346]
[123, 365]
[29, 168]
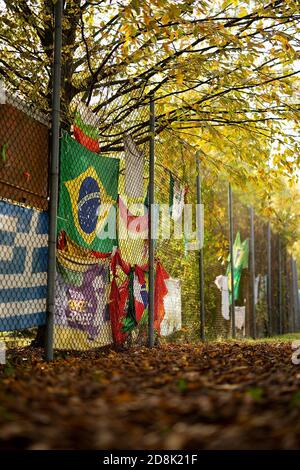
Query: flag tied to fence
[85, 128]
[129, 301]
[177, 194]
[133, 234]
[23, 266]
[134, 169]
[88, 195]
[240, 262]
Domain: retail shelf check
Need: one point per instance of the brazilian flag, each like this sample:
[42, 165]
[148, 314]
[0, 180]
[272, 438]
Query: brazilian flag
[88, 195]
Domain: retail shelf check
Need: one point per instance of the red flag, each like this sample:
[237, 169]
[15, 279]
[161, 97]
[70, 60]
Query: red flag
[160, 291]
[85, 128]
[117, 301]
[100, 255]
[118, 261]
[140, 291]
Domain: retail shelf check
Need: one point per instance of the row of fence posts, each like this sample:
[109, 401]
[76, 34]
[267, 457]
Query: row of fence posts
[269, 293]
[54, 186]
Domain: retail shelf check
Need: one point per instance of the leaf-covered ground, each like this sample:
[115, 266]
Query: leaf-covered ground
[213, 396]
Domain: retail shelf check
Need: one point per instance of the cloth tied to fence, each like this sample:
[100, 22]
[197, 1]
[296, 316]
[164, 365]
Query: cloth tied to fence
[133, 233]
[240, 262]
[160, 291]
[81, 305]
[222, 284]
[23, 266]
[88, 196]
[85, 128]
[129, 301]
[134, 169]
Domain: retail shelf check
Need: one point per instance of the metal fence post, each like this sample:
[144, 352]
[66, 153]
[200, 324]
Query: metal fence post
[151, 224]
[252, 271]
[201, 270]
[269, 278]
[231, 242]
[54, 177]
[293, 289]
[280, 286]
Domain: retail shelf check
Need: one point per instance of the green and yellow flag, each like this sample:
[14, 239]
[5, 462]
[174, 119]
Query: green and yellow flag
[88, 195]
[240, 262]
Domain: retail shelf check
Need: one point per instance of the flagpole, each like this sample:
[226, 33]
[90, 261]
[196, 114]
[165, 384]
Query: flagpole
[54, 180]
[231, 259]
[200, 240]
[151, 224]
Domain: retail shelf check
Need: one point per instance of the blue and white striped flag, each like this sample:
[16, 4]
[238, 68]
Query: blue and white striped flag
[23, 266]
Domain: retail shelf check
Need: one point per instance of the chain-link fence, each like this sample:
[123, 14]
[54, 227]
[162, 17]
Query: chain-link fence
[102, 256]
[24, 137]
[174, 248]
[102, 263]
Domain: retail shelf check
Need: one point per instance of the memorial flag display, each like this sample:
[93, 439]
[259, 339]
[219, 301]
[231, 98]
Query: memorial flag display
[85, 128]
[88, 194]
[23, 266]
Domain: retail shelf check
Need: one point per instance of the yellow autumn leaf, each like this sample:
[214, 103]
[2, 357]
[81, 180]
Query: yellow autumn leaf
[179, 77]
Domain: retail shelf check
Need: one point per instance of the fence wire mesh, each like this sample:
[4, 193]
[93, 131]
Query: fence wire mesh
[102, 263]
[24, 136]
[173, 247]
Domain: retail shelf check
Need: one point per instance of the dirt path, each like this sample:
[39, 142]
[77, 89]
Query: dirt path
[217, 396]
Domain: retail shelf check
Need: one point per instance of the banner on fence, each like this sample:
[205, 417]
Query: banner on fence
[23, 266]
[81, 306]
[88, 195]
